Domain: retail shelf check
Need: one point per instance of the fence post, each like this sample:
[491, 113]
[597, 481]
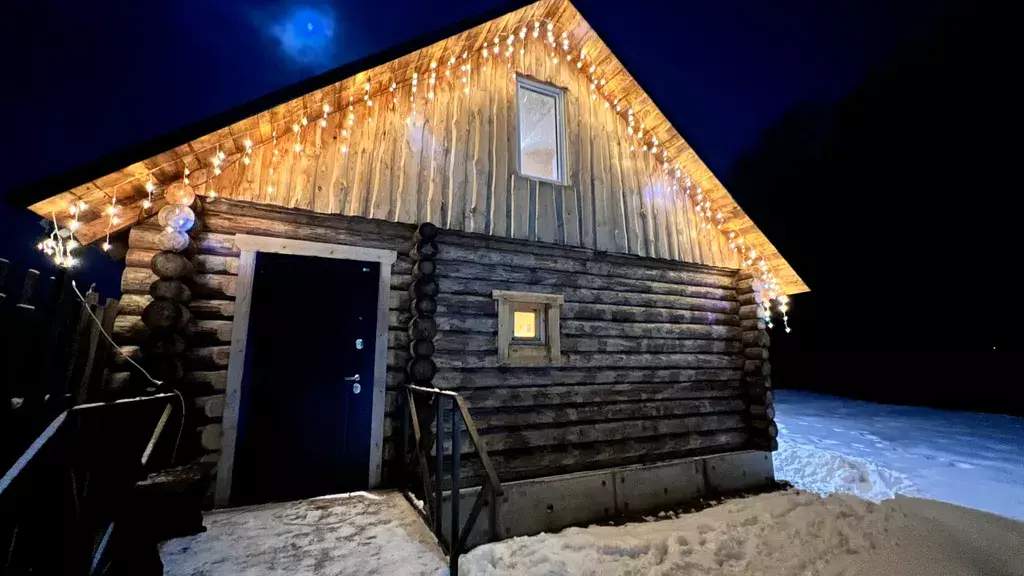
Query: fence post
[439, 461]
[453, 549]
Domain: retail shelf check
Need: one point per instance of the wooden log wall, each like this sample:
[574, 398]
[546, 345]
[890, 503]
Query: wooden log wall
[454, 163]
[211, 304]
[652, 350]
[757, 380]
[652, 358]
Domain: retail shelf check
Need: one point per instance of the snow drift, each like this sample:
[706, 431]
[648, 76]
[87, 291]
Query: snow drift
[779, 534]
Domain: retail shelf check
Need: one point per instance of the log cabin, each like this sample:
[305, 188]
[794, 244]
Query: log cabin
[501, 213]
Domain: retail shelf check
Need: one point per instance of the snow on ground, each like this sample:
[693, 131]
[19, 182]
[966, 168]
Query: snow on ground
[348, 534]
[792, 533]
[831, 444]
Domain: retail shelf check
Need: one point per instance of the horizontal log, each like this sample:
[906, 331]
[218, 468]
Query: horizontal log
[751, 298]
[756, 353]
[134, 304]
[649, 330]
[196, 359]
[478, 241]
[478, 287]
[232, 217]
[211, 286]
[211, 407]
[614, 313]
[618, 312]
[602, 412]
[756, 338]
[765, 411]
[692, 297]
[205, 357]
[212, 308]
[206, 380]
[748, 285]
[757, 383]
[605, 431]
[664, 360]
[137, 280]
[534, 463]
[204, 263]
[130, 329]
[764, 443]
[761, 367]
[444, 360]
[493, 378]
[753, 324]
[548, 395]
[212, 331]
[319, 230]
[145, 237]
[214, 286]
[752, 311]
[635, 270]
[477, 342]
[767, 427]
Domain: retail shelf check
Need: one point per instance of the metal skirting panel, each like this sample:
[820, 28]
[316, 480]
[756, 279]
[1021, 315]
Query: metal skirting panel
[555, 502]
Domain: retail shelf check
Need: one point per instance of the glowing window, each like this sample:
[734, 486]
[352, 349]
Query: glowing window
[528, 328]
[541, 131]
[525, 325]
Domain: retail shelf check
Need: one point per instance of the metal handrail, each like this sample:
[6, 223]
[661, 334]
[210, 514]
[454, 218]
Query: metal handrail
[26, 475]
[492, 484]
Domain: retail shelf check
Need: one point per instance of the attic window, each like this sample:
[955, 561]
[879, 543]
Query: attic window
[528, 328]
[541, 130]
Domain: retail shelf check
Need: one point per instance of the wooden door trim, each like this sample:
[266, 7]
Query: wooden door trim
[249, 246]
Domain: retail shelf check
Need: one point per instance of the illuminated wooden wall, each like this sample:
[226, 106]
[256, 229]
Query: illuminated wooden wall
[454, 163]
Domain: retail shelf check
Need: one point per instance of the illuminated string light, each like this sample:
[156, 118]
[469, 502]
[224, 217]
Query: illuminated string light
[553, 41]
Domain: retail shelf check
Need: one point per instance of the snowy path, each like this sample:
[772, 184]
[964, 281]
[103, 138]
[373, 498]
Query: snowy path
[343, 535]
[830, 444]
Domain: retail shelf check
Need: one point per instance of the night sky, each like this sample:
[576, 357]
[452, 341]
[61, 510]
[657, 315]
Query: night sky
[863, 137]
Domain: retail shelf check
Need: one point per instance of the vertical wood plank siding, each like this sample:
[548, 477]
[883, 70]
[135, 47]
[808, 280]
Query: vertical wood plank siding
[454, 162]
[652, 357]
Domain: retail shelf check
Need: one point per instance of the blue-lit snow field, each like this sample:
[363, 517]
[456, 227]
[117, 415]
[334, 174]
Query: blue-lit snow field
[829, 444]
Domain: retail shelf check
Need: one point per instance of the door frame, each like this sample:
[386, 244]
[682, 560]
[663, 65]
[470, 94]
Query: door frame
[249, 246]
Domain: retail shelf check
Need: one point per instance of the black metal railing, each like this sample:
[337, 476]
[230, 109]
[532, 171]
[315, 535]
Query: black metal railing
[420, 422]
[67, 504]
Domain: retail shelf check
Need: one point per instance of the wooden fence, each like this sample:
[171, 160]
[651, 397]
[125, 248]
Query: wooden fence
[52, 354]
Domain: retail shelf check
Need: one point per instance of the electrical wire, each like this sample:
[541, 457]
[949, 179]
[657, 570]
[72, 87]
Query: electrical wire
[181, 398]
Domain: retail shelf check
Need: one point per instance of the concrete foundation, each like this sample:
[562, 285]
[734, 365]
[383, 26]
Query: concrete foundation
[552, 503]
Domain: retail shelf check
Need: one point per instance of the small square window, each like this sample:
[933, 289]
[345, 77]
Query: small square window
[528, 328]
[541, 130]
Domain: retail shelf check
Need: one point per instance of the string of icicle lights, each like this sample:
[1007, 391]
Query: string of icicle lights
[457, 69]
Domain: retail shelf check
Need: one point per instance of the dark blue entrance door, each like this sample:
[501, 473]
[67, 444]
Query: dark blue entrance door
[306, 406]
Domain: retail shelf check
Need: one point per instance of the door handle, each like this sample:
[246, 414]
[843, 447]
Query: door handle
[352, 378]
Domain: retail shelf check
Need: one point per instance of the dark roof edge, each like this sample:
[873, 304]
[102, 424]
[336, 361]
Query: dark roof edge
[57, 183]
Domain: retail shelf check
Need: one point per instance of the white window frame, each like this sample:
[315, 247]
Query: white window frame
[537, 87]
[546, 350]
